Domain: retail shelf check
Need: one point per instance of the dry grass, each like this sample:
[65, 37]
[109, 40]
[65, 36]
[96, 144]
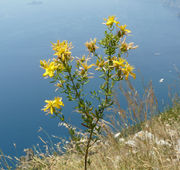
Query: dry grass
[156, 146]
[148, 144]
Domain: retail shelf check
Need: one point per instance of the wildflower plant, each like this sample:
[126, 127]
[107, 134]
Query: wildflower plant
[71, 74]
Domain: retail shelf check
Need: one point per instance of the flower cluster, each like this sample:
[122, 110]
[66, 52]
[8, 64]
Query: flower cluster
[113, 67]
[121, 66]
[62, 50]
[122, 28]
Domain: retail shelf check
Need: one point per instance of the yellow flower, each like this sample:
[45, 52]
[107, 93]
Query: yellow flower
[50, 68]
[85, 67]
[56, 46]
[127, 70]
[123, 30]
[62, 50]
[119, 63]
[91, 46]
[53, 104]
[125, 47]
[110, 21]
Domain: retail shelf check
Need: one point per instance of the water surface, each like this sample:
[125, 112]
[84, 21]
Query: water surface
[28, 27]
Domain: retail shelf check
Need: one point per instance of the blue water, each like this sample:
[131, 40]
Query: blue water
[26, 29]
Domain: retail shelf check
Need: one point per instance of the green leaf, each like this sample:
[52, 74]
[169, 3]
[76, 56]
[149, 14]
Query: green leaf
[53, 81]
[78, 85]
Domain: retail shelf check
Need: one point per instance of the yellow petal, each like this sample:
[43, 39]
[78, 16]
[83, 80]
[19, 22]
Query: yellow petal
[51, 110]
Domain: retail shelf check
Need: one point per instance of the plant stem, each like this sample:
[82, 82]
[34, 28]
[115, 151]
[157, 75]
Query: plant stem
[88, 145]
[107, 81]
[92, 129]
[92, 125]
